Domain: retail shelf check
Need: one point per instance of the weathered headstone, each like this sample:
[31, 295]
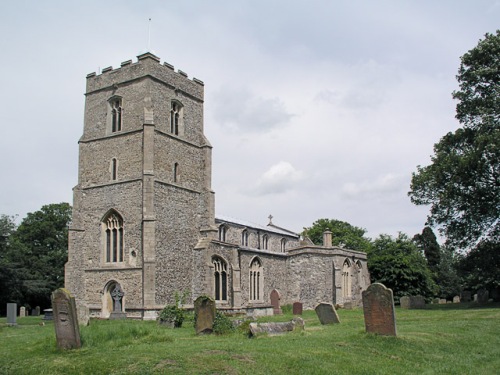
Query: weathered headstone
[442, 301]
[37, 310]
[349, 305]
[22, 311]
[48, 314]
[83, 314]
[297, 308]
[456, 299]
[272, 329]
[435, 300]
[475, 297]
[404, 302]
[378, 309]
[65, 320]
[204, 310]
[466, 296]
[482, 296]
[117, 294]
[417, 302]
[326, 313]
[11, 314]
[275, 302]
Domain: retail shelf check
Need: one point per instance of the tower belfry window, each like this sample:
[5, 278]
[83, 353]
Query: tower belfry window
[116, 115]
[175, 118]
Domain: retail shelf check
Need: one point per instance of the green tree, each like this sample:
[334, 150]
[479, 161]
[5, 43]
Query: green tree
[343, 234]
[448, 279]
[427, 242]
[8, 275]
[39, 249]
[399, 265]
[462, 184]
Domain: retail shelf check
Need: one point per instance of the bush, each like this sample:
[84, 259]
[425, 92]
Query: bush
[172, 315]
[222, 324]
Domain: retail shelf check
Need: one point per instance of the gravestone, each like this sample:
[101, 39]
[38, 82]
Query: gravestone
[435, 300]
[11, 314]
[204, 310]
[482, 296]
[275, 302]
[297, 308]
[417, 302]
[466, 296]
[65, 320]
[83, 314]
[475, 297]
[117, 294]
[378, 309]
[273, 329]
[456, 299]
[326, 313]
[348, 305]
[442, 301]
[22, 312]
[404, 302]
[48, 314]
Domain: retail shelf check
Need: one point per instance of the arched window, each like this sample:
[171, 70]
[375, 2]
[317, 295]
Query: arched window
[346, 279]
[116, 114]
[113, 233]
[176, 112]
[220, 279]
[114, 169]
[244, 238]
[283, 245]
[176, 172]
[256, 278]
[265, 242]
[222, 233]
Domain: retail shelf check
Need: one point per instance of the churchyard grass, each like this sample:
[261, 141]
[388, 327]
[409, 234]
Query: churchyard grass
[444, 339]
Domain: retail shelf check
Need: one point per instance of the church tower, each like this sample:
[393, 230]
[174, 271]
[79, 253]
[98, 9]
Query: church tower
[143, 199]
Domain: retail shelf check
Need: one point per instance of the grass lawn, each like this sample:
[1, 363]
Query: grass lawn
[445, 339]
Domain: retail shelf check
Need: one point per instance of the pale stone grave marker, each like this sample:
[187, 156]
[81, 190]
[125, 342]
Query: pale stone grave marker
[482, 296]
[65, 320]
[297, 308]
[442, 301]
[275, 302]
[378, 309]
[404, 302]
[204, 309]
[22, 312]
[327, 313]
[456, 299]
[11, 314]
[273, 329]
[83, 314]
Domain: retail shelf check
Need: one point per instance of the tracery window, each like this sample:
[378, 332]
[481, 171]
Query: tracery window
[346, 279]
[256, 278]
[176, 111]
[113, 232]
[116, 115]
[220, 279]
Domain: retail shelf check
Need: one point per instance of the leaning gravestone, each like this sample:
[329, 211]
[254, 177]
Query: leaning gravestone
[482, 296]
[11, 314]
[204, 310]
[22, 312]
[275, 302]
[378, 309]
[65, 320]
[327, 313]
[404, 302]
[297, 308]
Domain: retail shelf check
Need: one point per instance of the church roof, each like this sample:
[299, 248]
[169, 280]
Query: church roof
[269, 228]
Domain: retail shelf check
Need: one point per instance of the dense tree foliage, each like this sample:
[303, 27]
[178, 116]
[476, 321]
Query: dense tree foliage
[462, 184]
[343, 234]
[427, 242]
[34, 255]
[447, 277]
[398, 264]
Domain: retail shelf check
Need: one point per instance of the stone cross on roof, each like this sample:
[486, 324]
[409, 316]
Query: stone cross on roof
[270, 217]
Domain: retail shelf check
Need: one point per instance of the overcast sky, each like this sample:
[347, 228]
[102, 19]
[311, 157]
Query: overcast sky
[315, 109]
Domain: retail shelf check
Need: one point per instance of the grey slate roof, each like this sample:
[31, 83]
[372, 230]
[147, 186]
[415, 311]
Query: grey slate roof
[248, 224]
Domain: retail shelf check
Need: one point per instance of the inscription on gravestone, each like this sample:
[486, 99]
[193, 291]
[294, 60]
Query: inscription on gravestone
[378, 309]
[327, 313]
[65, 320]
[11, 314]
[204, 310]
[297, 308]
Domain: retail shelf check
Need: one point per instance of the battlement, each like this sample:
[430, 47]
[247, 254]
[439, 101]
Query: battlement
[147, 64]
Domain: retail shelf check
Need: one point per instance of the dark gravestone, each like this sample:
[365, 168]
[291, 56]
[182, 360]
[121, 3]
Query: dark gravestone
[404, 302]
[378, 308]
[435, 300]
[11, 314]
[417, 302]
[482, 296]
[275, 302]
[117, 295]
[327, 313]
[204, 310]
[466, 296]
[48, 314]
[297, 308]
[65, 320]
[273, 329]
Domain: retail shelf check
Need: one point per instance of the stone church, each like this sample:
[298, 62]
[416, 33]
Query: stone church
[144, 226]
